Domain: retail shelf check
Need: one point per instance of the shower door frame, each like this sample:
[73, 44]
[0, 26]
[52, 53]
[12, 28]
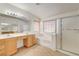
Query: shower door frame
[62, 34]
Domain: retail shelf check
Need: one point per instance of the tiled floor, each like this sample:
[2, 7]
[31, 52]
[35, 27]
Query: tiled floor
[37, 50]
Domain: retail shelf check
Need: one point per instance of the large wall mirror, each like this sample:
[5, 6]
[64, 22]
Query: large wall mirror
[13, 25]
[7, 28]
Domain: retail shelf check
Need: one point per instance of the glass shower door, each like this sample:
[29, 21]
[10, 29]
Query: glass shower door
[70, 34]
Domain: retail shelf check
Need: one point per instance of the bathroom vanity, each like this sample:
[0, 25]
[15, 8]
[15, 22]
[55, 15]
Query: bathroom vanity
[8, 43]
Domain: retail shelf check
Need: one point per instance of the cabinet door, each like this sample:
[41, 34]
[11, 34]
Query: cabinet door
[28, 41]
[11, 46]
[2, 47]
[30, 38]
[34, 41]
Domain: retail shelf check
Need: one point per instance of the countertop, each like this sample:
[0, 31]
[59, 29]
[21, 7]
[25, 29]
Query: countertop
[4, 36]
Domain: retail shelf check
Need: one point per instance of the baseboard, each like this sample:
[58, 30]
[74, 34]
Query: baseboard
[67, 53]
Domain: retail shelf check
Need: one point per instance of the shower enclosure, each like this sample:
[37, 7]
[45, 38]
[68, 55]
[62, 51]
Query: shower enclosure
[69, 36]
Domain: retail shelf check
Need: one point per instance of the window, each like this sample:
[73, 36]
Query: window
[36, 26]
[49, 26]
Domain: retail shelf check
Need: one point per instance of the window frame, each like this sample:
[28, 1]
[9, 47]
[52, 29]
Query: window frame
[44, 26]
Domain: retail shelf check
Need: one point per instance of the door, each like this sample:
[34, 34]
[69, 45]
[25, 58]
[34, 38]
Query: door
[70, 34]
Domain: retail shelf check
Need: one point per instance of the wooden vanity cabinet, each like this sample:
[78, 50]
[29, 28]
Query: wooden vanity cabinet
[2, 47]
[29, 41]
[34, 40]
[11, 46]
[8, 46]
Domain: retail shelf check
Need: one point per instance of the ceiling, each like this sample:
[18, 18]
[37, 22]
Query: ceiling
[8, 9]
[46, 10]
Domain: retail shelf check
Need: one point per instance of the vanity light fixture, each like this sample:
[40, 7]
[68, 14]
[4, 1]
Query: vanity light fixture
[11, 13]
